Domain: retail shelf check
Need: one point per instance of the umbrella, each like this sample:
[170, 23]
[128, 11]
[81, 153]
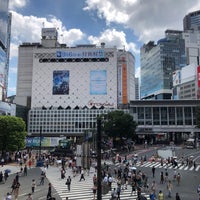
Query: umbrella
[7, 171]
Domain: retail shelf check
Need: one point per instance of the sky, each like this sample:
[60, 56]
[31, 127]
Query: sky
[125, 24]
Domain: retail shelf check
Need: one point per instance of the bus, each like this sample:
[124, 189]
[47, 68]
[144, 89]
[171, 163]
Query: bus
[190, 143]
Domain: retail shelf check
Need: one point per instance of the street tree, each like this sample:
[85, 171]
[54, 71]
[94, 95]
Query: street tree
[119, 125]
[12, 133]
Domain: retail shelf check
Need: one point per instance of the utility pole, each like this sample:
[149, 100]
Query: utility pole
[99, 192]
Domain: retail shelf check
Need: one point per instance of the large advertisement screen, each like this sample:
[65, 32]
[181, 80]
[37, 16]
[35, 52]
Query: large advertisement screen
[45, 141]
[61, 82]
[98, 82]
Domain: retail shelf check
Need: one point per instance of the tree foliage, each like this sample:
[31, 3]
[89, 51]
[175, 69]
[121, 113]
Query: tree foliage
[119, 124]
[12, 133]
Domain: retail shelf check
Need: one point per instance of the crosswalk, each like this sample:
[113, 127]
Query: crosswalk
[83, 189]
[168, 166]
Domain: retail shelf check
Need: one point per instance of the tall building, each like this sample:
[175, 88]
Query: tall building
[66, 88]
[192, 21]
[5, 27]
[158, 62]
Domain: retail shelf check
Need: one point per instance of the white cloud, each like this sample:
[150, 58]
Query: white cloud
[147, 20]
[112, 38]
[14, 4]
[28, 29]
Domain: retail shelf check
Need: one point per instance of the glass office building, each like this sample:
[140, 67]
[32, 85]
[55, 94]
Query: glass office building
[158, 62]
[192, 21]
[4, 44]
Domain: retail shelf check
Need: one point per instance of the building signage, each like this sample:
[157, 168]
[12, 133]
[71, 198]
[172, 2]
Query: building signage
[198, 76]
[99, 104]
[98, 53]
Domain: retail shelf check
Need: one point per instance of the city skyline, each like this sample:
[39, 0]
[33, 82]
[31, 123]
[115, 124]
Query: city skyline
[115, 23]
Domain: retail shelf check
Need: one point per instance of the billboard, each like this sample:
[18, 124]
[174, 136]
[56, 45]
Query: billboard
[45, 141]
[98, 82]
[176, 77]
[61, 82]
[95, 53]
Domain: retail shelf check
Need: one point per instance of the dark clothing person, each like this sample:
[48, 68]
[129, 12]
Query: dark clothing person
[153, 171]
[177, 196]
[49, 192]
[25, 170]
[68, 183]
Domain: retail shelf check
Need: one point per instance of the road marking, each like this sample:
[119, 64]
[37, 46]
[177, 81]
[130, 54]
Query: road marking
[197, 168]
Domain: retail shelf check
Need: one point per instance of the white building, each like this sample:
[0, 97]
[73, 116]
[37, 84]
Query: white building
[68, 87]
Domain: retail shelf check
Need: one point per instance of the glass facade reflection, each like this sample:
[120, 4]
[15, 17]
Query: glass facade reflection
[4, 25]
[158, 63]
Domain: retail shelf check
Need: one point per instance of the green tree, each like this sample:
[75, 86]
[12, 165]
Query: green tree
[118, 124]
[12, 133]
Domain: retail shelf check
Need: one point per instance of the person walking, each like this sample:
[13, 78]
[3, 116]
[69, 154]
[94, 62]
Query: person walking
[82, 175]
[25, 170]
[68, 183]
[33, 186]
[29, 197]
[42, 177]
[94, 190]
[177, 196]
[16, 191]
[118, 191]
[160, 195]
[178, 178]
[49, 192]
[169, 188]
[8, 196]
[153, 171]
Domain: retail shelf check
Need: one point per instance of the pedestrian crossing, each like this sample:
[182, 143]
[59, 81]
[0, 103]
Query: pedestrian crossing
[168, 166]
[83, 189]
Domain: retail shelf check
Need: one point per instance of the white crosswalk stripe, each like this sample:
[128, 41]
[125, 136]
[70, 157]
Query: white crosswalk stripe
[82, 189]
[170, 166]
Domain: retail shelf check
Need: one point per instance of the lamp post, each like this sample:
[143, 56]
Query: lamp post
[99, 192]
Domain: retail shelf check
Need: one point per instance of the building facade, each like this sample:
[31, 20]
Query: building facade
[158, 61]
[192, 21]
[5, 25]
[66, 88]
[165, 120]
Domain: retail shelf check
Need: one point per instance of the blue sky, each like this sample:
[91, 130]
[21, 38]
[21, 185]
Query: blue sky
[123, 23]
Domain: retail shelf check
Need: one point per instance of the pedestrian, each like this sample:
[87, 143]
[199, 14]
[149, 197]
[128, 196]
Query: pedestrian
[177, 196]
[8, 196]
[152, 196]
[49, 192]
[5, 175]
[33, 185]
[16, 191]
[198, 191]
[118, 191]
[153, 171]
[160, 195]
[95, 179]
[25, 170]
[153, 187]
[133, 185]
[113, 194]
[82, 175]
[42, 177]
[29, 197]
[13, 186]
[169, 188]
[94, 190]
[161, 178]
[17, 177]
[68, 183]
[178, 178]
